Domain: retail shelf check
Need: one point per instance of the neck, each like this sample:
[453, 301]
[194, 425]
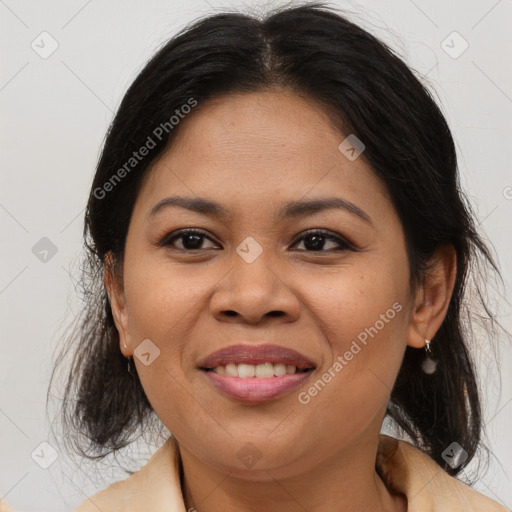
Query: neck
[345, 481]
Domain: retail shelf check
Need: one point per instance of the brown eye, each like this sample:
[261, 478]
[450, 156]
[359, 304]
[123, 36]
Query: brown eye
[191, 240]
[315, 241]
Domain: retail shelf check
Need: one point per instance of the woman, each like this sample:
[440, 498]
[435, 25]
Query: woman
[280, 251]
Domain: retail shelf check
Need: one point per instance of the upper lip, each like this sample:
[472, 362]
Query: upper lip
[256, 354]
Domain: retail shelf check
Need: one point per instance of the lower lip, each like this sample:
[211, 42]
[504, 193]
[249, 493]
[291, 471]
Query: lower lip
[254, 389]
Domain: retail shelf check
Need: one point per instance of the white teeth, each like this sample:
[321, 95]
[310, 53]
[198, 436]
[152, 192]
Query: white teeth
[232, 370]
[246, 370]
[264, 370]
[261, 371]
[279, 369]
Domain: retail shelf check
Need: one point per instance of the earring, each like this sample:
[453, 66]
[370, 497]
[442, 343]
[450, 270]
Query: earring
[129, 362]
[129, 366]
[429, 364]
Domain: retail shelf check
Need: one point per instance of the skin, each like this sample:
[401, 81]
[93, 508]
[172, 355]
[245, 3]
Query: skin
[253, 153]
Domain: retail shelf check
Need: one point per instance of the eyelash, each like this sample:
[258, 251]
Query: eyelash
[327, 235]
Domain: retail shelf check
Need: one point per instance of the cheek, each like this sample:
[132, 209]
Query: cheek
[162, 299]
[362, 314]
[349, 299]
[165, 303]
[360, 311]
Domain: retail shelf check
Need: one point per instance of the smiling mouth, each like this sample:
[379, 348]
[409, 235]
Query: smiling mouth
[257, 371]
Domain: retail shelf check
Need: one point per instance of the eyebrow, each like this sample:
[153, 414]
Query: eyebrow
[292, 209]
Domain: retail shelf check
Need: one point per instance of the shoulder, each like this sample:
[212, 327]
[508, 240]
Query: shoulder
[154, 487]
[4, 507]
[112, 499]
[427, 486]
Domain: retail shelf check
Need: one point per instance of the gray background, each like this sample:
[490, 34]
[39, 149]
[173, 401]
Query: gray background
[55, 112]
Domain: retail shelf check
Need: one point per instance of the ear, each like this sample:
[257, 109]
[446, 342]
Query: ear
[433, 296]
[115, 291]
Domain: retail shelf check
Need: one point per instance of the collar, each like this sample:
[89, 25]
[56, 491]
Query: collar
[403, 467]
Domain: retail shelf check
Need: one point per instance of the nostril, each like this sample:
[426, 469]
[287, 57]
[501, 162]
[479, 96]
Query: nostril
[231, 313]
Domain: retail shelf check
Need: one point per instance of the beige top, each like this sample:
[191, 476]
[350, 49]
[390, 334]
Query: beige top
[404, 469]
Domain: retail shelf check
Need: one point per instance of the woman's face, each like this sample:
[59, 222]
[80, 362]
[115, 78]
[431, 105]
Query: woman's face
[335, 307]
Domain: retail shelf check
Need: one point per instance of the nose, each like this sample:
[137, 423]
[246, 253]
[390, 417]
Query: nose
[253, 293]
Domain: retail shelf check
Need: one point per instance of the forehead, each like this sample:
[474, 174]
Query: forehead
[275, 124]
[256, 148]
